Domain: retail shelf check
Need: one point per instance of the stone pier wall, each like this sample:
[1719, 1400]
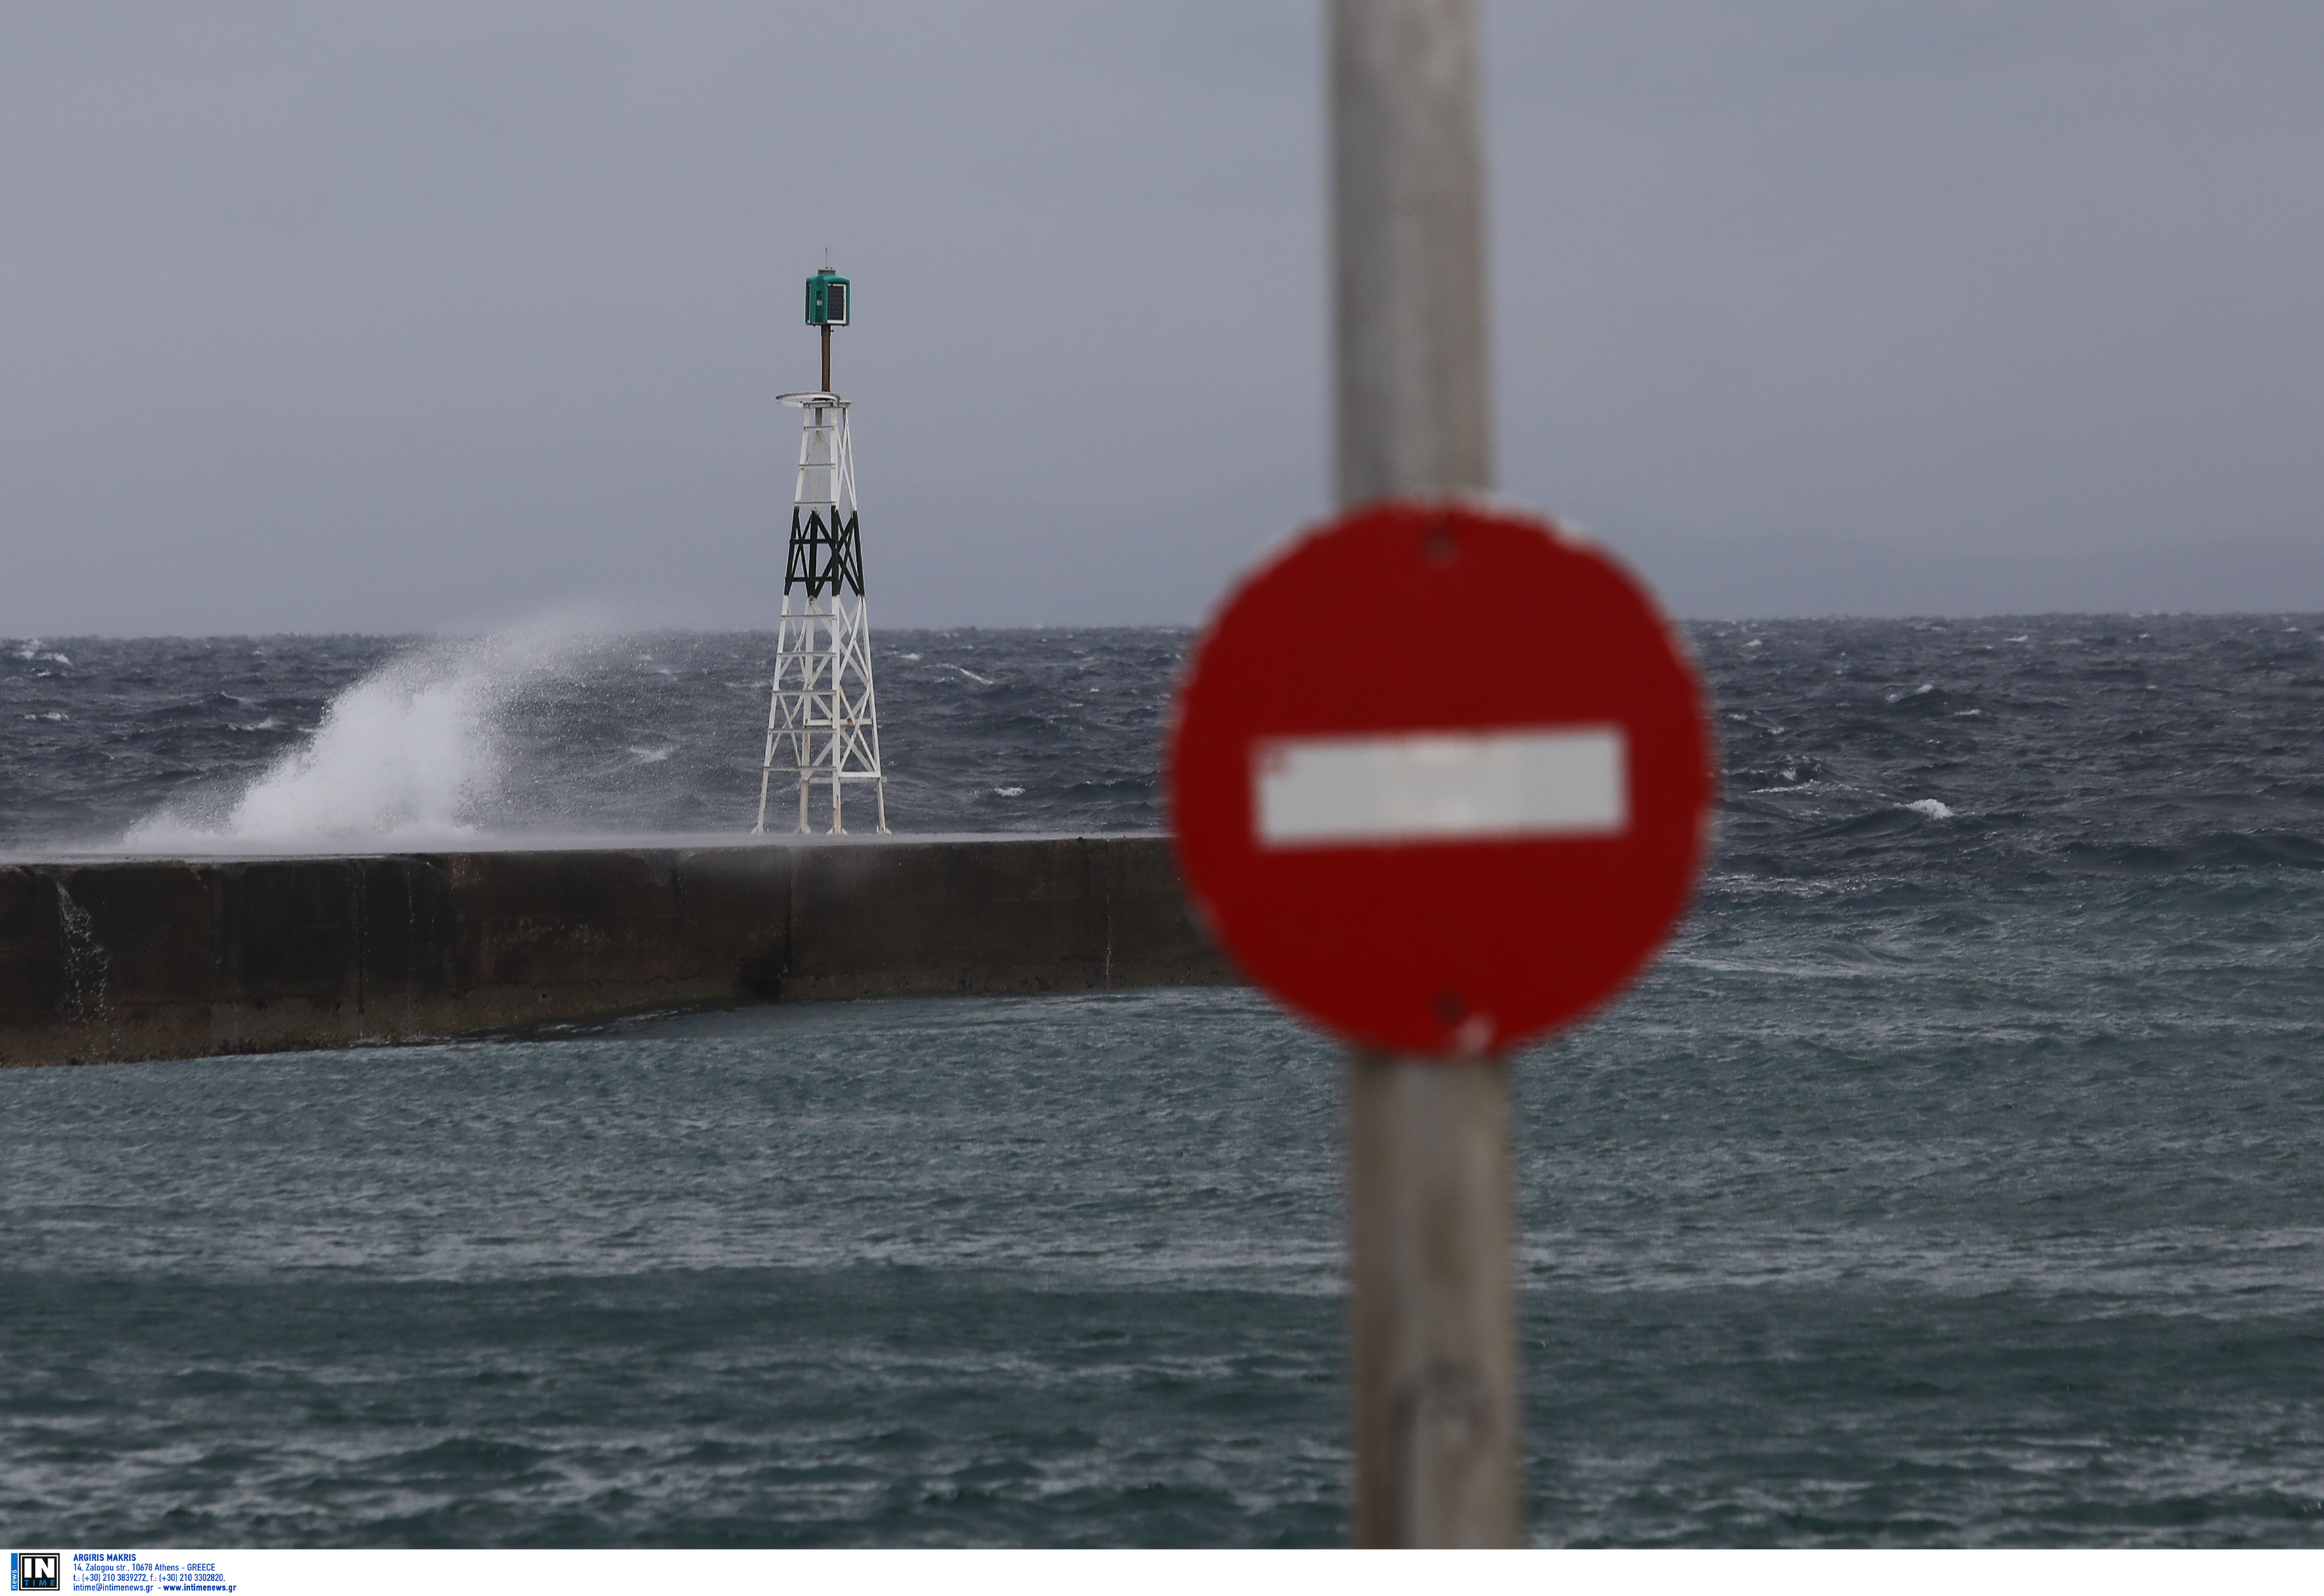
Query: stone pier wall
[152, 958]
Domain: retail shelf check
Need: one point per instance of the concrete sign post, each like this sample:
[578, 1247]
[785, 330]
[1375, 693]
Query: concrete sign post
[1438, 776]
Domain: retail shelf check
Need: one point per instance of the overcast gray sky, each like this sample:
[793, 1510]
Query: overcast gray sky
[405, 317]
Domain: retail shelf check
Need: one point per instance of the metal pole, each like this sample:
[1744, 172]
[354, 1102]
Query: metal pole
[1432, 1324]
[1432, 1320]
[826, 358]
[1408, 232]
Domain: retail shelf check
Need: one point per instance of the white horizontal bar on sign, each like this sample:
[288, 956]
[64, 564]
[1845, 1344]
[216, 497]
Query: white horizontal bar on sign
[1415, 786]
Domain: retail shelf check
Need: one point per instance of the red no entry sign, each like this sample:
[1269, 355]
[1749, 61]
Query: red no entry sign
[1439, 777]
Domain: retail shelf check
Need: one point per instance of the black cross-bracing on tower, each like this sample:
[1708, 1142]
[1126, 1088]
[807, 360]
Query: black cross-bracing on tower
[826, 557]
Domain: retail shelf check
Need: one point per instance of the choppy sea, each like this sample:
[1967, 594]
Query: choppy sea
[1957, 1177]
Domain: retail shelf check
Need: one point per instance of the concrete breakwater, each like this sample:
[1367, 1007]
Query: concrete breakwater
[118, 959]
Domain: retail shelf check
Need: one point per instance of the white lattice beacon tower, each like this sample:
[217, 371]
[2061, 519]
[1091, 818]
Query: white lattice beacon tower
[823, 723]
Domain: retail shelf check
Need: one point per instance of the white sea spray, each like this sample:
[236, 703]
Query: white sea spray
[412, 754]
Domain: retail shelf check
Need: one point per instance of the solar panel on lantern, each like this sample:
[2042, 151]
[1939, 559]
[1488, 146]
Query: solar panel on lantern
[827, 299]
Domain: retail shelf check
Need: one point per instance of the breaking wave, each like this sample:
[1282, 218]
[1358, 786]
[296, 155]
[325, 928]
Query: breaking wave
[413, 753]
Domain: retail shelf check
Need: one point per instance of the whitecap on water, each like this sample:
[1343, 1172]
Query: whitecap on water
[1931, 809]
